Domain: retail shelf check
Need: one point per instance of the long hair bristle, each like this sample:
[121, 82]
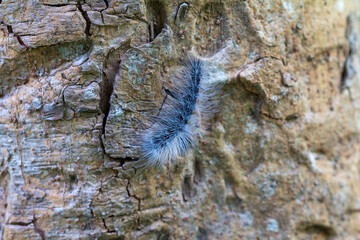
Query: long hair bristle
[189, 105]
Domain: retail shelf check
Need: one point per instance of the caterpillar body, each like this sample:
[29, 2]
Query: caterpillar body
[188, 106]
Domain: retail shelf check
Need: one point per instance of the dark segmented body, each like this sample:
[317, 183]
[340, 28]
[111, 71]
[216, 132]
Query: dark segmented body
[183, 108]
[188, 104]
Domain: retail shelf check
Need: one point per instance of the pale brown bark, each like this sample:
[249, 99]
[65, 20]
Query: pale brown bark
[80, 81]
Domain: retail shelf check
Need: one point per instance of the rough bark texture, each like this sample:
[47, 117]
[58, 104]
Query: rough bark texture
[80, 81]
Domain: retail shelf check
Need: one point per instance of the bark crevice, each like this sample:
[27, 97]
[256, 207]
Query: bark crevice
[86, 18]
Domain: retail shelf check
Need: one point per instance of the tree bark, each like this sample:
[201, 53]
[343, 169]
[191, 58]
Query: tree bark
[80, 82]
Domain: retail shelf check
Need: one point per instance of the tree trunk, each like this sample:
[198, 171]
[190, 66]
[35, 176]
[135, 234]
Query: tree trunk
[81, 81]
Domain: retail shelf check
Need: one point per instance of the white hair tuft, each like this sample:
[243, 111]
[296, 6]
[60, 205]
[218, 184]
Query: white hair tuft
[190, 103]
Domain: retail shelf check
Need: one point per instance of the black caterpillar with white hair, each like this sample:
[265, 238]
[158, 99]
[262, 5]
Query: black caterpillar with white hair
[190, 103]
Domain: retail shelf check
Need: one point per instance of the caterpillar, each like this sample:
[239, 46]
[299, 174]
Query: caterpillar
[189, 105]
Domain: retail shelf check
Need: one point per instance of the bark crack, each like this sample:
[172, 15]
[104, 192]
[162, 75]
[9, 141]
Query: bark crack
[86, 18]
[18, 142]
[271, 118]
[21, 156]
[101, 12]
[128, 185]
[106, 227]
[110, 70]
[55, 5]
[21, 223]
[18, 37]
[37, 229]
[106, 3]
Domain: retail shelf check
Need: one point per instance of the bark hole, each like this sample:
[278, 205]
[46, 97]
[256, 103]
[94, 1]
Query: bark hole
[156, 18]
[181, 14]
[188, 190]
[111, 69]
[198, 171]
[202, 234]
[320, 230]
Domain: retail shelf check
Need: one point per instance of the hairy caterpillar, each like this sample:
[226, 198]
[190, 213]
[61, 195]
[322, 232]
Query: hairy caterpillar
[188, 106]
